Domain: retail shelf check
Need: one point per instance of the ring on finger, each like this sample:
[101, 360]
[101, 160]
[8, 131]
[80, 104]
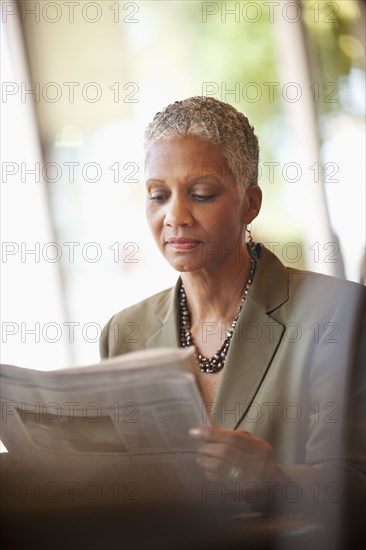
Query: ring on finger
[235, 473]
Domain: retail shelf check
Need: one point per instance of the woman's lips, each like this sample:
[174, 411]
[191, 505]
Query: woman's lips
[183, 243]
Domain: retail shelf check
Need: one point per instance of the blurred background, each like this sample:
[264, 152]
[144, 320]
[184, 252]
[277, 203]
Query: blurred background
[81, 80]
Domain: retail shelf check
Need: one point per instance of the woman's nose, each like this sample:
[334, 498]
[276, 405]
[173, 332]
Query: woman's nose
[178, 213]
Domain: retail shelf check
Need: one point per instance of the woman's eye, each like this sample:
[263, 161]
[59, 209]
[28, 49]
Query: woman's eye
[158, 198]
[202, 198]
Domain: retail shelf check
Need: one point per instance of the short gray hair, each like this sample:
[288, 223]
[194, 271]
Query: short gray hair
[214, 122]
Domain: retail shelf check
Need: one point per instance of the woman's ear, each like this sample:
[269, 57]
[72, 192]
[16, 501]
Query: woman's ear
[252, 203]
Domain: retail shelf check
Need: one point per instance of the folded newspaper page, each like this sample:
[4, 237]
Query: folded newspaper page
[124, 421]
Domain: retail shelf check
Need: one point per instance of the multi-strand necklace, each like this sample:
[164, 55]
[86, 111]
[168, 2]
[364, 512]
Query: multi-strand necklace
[217, 361]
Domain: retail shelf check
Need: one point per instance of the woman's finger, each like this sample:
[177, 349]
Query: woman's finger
[239, 439]
[231, 454]
[222, 469]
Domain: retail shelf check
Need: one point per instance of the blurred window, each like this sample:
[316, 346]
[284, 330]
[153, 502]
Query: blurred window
[101, 70]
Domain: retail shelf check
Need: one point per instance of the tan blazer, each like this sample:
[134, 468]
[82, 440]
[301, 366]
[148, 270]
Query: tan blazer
[289, 368]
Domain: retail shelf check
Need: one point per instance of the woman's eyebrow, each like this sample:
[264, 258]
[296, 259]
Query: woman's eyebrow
[204, 178]
[191, 180]
[154, 180]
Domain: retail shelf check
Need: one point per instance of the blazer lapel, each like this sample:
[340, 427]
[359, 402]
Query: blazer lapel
[254, 343]
[249, 357]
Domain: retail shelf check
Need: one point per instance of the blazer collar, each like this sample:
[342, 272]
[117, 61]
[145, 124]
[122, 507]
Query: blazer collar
[270, 286]
[258, 335]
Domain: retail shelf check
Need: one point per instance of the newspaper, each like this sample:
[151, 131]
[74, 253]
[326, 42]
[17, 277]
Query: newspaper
[123, 422]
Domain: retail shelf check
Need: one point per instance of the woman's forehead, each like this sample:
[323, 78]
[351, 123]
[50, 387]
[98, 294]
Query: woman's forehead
[185, 157]
[189, 148]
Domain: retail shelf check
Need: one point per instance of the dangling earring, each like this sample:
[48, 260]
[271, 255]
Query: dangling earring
[248, 229]
[250, 242]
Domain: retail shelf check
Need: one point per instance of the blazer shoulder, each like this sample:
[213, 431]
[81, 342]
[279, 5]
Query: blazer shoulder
[144, 307]
[325, 283]
[142, 319]
[291, 294]
[315, 297]
[275, 269]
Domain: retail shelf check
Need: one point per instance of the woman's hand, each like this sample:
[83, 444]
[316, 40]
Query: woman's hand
[235, 456]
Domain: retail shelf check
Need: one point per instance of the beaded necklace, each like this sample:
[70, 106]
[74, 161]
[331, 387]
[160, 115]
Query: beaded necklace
[217, 361]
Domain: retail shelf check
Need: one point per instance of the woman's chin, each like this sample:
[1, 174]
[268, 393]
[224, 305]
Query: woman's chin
[184, 265]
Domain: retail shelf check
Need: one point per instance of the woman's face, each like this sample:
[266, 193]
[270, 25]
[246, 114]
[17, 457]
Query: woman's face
[193, 207]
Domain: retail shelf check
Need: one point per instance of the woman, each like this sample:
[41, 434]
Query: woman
[274, 346]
